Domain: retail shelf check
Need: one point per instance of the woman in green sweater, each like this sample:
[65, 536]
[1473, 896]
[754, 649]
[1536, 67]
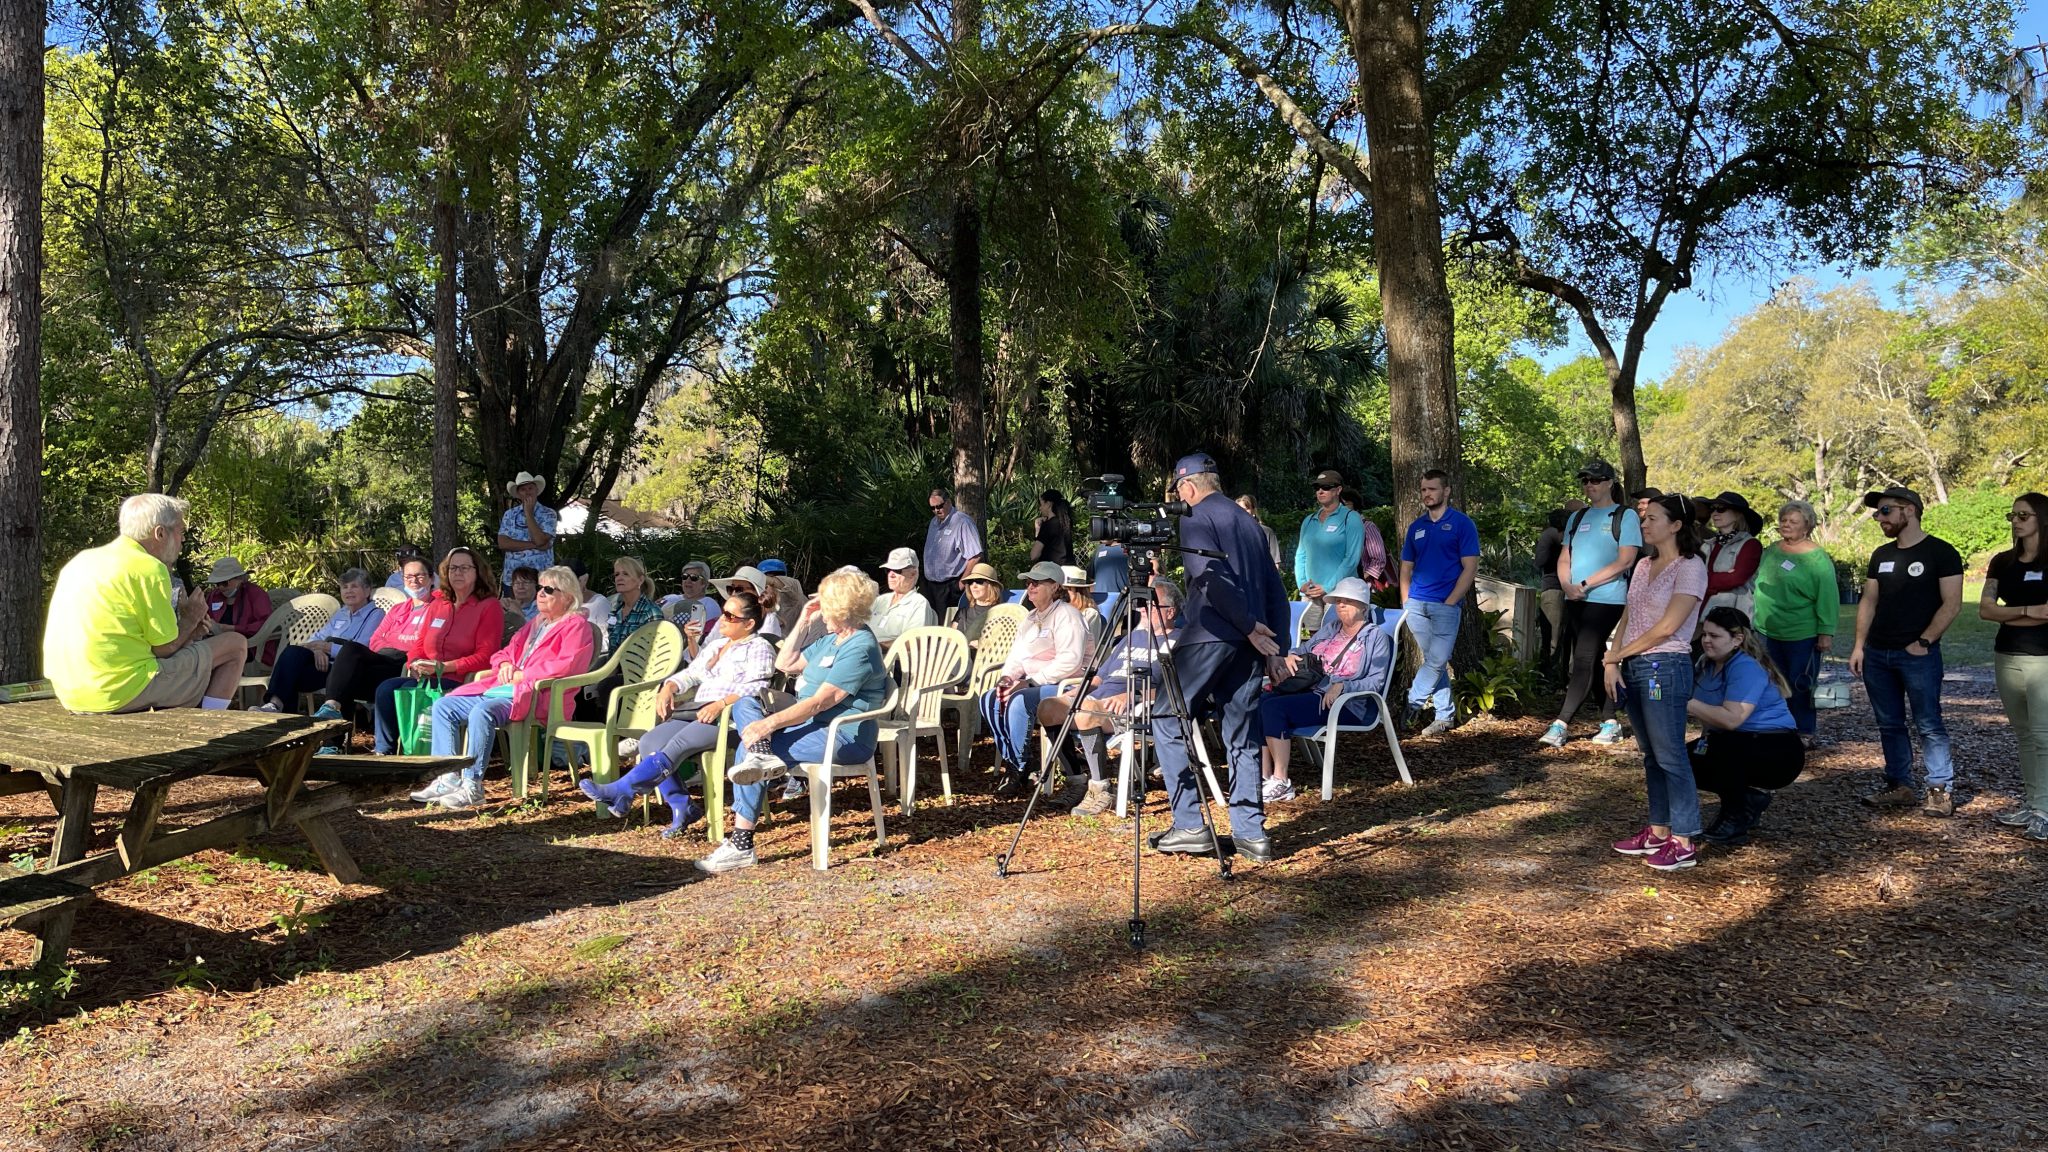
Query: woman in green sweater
[1797, 603]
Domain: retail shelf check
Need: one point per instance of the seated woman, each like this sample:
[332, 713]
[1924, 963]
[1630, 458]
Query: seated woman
[736, 665]
[632, 604]
[1051, 645]
[1080, 592]
[1107, 699]
[237, 602]
[787, 594]
[557, 642]
[1750, 744]
[839, 674]
[302, 668]
[525, 586]
[1356, 656]
[357, 668]
[750, 578]
[984, 591]
[463, 625]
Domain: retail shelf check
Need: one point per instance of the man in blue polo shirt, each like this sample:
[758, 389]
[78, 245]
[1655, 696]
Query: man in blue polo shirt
[1439, 560]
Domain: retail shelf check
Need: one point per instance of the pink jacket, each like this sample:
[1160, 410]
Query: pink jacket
[565, 650]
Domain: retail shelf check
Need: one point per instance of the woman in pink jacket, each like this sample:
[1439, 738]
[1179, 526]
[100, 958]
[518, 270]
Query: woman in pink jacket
[559, 641]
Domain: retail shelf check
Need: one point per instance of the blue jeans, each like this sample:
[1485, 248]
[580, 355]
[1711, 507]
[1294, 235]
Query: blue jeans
[1435, 628]
[384, 711]
[1660, 733]
[1896, 679]
[1799, 660]
[802, 744]
[1009, 721]
[480, 717]
[1229, 675]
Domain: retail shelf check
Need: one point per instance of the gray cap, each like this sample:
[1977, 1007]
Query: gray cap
[1044, 570]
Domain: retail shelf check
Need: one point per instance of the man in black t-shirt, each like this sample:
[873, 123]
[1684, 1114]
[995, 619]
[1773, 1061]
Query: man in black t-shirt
[1912, 591]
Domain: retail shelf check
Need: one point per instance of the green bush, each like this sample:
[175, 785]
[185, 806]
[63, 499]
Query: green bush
[1974, 521]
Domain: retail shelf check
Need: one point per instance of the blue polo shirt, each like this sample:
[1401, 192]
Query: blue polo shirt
[1437, 548]
[1743, 680]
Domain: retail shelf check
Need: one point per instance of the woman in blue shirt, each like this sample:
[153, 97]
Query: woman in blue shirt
[1749, 746]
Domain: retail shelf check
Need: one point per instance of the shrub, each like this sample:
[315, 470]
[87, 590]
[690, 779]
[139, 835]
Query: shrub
[1974, 521]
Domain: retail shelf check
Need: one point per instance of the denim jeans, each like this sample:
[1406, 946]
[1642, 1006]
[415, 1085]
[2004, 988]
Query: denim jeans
[1435, 628]
[1799, 660]
[1896, 680]
[480, 717]
[1659, 684]
[802, 744]
[1009, 721]
[1229, 675]
[292, 674]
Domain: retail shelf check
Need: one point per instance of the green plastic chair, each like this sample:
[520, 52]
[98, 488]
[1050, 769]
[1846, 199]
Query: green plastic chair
[648, 657]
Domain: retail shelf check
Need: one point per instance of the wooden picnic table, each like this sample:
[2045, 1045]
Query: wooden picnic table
[43, 747]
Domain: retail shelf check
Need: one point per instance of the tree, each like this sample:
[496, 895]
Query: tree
[21, 239]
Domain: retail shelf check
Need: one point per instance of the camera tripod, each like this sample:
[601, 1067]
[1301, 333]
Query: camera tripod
[1145, 700]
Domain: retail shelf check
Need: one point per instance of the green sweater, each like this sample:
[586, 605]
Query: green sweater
[1797, 597]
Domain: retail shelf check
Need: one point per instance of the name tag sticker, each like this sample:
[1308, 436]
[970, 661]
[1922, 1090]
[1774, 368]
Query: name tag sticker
[439, 623]
[2033, 576]
[826, 662]
[1788, 565]
[1418, 533]
[1330, 527]
[1886, 566]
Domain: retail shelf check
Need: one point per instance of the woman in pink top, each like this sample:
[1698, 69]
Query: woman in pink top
[559, 641]
[357, 669]
[1653, 663]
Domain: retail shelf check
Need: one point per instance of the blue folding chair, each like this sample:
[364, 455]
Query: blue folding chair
[1295, 612]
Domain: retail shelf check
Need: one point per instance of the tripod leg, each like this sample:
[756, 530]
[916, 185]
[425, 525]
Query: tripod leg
[1103, 648]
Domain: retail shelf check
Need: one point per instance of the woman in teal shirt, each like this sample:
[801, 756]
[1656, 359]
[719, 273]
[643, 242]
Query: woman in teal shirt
[1600, 546]
[1797, 603]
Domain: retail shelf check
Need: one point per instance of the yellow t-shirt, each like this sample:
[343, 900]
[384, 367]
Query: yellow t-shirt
[111, 606]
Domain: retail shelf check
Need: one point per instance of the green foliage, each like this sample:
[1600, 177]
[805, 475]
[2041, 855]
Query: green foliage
[1974, 521]
[1501, 685]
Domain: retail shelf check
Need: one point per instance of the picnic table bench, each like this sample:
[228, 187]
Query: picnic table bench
[72, 757]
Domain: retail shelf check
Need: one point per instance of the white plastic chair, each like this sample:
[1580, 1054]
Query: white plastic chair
[821, 776]
[1383, 719]
[293, 621]
[387, 598]
[924, 662]
[1126, 743]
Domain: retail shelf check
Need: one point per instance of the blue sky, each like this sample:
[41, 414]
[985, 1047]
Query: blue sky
[1699, 317]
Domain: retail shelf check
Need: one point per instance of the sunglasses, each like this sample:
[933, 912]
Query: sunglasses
[548, 590]
[938, 508]
[735, 619]
[2016, 517]
[1327, 487]
[1891, 510]
[692, 578]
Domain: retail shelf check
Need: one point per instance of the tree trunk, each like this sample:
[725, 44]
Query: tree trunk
[446, 478]
[21, 263]
[963, 319]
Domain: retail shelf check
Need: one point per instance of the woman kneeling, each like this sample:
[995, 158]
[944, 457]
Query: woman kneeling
[839, 674]
[1751, 745]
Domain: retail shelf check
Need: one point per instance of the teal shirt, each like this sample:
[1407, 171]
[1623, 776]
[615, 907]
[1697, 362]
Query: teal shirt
[1329, 550]
[1797, 596]
[853, 664]
[1593, 545]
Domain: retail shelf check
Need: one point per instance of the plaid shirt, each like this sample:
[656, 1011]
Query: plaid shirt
[742, 672]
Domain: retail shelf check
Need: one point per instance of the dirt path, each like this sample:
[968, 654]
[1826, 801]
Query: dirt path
[1462, 964]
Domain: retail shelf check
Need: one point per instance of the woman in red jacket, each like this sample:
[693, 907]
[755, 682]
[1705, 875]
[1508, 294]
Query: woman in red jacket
[463, 627]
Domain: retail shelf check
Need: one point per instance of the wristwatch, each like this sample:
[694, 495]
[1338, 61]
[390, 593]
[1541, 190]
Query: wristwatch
[1926, 643]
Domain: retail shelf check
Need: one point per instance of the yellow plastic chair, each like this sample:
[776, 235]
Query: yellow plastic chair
[292, 622]
[998, 633]
[649, 656]
[924, 662]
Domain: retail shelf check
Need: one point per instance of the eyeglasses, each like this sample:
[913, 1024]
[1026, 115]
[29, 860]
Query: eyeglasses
[2016, 517]
[419, 577]
[462, 567]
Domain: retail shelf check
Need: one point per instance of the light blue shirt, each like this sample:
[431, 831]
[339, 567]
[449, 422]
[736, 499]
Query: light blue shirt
[358, 626]
[950, 541]
[1329, 549]
[1594, 547]
[513, 524]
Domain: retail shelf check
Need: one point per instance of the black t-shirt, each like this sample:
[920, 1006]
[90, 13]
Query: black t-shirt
[1909, 589]
[1549, 546]
[2020, 586]
[1056, 542]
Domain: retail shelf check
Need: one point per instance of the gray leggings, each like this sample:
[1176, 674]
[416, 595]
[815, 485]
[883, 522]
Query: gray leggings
[679, 740]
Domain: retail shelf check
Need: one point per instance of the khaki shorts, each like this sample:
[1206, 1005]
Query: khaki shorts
[180, 680]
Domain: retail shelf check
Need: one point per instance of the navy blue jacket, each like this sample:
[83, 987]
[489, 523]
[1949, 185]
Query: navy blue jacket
[1228, 598]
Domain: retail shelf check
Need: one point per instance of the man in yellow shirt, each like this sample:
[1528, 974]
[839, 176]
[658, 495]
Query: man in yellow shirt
[117, 641]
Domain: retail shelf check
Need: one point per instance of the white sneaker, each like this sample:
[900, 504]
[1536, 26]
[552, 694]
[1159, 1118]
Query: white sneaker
[629, 749]
[793, 787]
[269, 706]
[1437, 727]
[726, 858]
[1277, 791]
[443, 784]
[467, 793]
[1555, 735]
[1610, 732]
[756, 768]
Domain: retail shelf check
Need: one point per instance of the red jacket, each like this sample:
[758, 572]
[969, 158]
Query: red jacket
[565, 650]
[462, 639]
[246, 613]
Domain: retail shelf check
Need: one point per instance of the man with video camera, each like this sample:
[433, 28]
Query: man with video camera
[1229, 630]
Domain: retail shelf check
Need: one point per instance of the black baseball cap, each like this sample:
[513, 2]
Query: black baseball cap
[1597, 470]
[1873, 499]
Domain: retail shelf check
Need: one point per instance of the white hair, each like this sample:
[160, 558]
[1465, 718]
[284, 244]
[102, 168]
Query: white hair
[355, 576]
[143, 514]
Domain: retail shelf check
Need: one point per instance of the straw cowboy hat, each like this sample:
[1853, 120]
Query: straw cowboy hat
[225, 569]
[512, 486]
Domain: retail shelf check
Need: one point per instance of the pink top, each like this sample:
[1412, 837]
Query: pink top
[1648, 598]
[1348, 652]
[564, 649]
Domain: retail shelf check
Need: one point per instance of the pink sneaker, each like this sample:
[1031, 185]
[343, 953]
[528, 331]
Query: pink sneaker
[1644, 843]
[1673, 856]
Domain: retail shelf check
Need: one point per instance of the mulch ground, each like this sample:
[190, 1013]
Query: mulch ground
[1462, 964]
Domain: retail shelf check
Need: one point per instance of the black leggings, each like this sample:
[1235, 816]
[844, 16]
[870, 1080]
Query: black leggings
[1734, 761]
[1589, 625]
[355, 673]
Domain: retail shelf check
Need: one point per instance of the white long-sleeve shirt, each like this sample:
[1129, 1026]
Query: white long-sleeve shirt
[1051, 645]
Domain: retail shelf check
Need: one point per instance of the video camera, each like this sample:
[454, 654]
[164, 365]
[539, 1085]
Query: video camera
[1138, 525]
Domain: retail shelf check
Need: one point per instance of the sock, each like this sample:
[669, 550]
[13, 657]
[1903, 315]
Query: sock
[213, 703]
[741, 838]
[1094, 745]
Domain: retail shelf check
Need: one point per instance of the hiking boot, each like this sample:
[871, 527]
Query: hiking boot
[1437, 727]
[1276, 791]
[1097, 801]
[757, 768]
[726, 858]
[466, 794]
[1644, 843]
[1940, 802]
[2017, 818]
[1071, 795]
[1186, 841]
[1893, 796]
[1672, 856]
[1609, 734]
[443, 784]
[1555, 735]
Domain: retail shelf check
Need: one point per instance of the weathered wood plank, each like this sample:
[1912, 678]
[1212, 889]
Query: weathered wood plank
[398, 769]
[16, 783]
[26, 896]
[74, 826]
[333, 854]
[141, 823]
